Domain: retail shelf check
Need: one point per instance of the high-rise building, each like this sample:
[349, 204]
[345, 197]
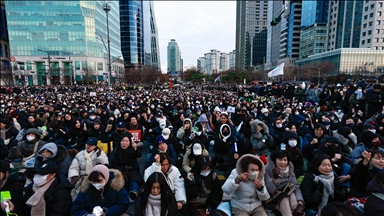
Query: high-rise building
[5, 66]
[72, 33]
[232, 59]
[259, 48]
[201, 64]
[313, 36]
[174, 56]
[283, 40]
[251, 19]
[139, 38]
[224, 62]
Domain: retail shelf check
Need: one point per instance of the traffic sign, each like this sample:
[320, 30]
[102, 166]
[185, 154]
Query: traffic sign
[12, 58]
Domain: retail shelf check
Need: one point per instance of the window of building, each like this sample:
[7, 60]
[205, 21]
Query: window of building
[380, 4]
[376, 39]
[371, 15]
[379, 13]
[77, 65]
[370, 23]
[382, 40]
[369, 32]
[368, 41]
[84, 65]
[364, 34]
[377, 31]
[363, 42]
[365, 25]
[382, 48]
[29, 65]
[100, 66]
[378, 22]
[372, 6]
[366, 8]
[365, 17]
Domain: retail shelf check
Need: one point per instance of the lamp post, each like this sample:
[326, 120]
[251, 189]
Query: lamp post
[49, 67]
[107, 8]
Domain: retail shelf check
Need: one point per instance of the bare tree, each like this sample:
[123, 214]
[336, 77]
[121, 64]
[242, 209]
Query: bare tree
[88, 74]
[143, 75]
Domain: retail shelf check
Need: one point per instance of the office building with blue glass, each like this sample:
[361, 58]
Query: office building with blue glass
[313, 36]
[139, 39]
[72, 33]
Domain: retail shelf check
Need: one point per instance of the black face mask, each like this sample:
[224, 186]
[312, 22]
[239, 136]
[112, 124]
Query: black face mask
[332, 150]
[225, 133]
[120, 131]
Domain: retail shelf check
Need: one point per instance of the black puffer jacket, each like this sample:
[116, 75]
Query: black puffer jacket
[15, 185]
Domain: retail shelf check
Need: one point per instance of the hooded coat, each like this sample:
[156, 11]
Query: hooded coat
[261, 141]
[245, 195]
[114, 198]
[60, 157]
[375, 202]
[29, 148]
[223, 143]
[78, 164]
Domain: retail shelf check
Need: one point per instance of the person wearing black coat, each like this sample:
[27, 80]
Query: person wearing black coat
[373, 99]
[375, 202]
[320, 185]
[55, 190]
[13, 181]
[124, 158]
[3, 150]
[203, 189]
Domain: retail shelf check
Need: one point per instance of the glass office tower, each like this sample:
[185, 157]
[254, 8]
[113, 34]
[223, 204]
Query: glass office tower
[138, 34]
[73, 33]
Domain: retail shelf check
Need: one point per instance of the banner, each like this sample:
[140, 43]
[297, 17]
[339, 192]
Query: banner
[217, 79]
[136, 135]
[279, 70]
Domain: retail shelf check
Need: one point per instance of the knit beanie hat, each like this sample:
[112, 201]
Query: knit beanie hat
[367, 137]
[103, 170]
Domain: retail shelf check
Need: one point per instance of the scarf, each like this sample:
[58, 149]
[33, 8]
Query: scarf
[329, 188]
[88, 161]
[358, 95]
[37, 201]
[285, 173]
[153, 205]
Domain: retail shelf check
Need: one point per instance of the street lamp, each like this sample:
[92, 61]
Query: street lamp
[107, 8]
[49, 67]
[318, 80]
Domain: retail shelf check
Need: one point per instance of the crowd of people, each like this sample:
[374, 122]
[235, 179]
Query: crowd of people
[281, 149]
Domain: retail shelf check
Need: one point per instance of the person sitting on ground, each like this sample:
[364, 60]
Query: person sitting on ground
[195, 150]
[102, 188]
[49, 194]
[156, 197]
[375, 201]
[246, 187]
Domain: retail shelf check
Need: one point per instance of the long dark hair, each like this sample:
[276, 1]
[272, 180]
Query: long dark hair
[168, 201]
[202, 162]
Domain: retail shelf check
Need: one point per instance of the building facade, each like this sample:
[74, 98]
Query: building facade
[232, 59]
[313, 40]
[72, 33]
[349, 61]
[224, 62]
[174, 56]
[5, 66]
[139, 36]
[251, 19]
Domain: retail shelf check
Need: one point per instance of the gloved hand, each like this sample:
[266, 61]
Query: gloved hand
[74, 180]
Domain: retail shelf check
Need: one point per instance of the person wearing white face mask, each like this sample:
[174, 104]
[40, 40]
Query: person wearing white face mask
[203, 188]
[276, 130]
[31, 142]
[50, 192]
[292, 144]
[282, 185]
[246, 187]
[103, 188]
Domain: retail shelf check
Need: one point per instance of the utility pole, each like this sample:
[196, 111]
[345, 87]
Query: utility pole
[107, 8]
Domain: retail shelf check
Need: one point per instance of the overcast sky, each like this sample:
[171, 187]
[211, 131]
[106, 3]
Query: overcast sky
[197, 26]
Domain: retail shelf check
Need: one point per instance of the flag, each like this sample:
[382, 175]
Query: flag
[279, 70]
[217, 79]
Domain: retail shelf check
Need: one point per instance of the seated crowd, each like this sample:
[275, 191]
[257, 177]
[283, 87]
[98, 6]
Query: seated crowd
[201, 150]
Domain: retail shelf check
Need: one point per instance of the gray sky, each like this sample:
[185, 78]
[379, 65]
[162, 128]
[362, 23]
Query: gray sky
[197, 26]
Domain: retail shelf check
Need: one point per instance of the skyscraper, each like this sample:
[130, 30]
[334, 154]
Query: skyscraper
[72, 33]
[313, 36]
[283, 40]
[139, 40]
[174, 56]
[251, 19]
[5, 66]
